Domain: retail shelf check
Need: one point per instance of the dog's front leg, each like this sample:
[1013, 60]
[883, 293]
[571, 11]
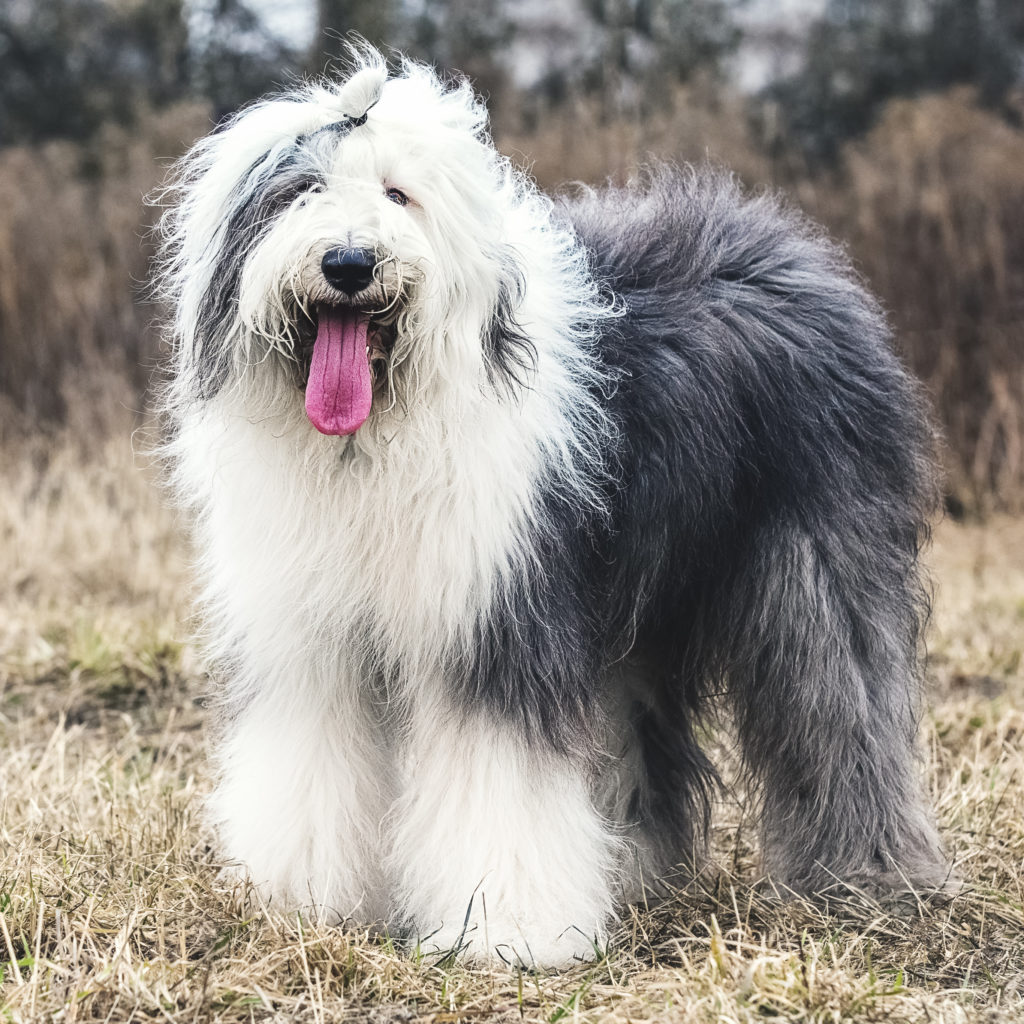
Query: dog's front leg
[497, 848]
[300, 787]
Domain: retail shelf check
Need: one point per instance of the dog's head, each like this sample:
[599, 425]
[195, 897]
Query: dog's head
[349, 241]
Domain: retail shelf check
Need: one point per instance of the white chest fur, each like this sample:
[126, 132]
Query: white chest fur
[397, 544]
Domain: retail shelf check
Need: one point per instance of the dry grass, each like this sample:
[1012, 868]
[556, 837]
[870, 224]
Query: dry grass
[110, 903]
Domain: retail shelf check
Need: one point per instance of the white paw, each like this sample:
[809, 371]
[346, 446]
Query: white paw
[487, 940]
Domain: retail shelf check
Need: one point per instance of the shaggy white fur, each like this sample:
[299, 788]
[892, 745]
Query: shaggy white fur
[340, 573]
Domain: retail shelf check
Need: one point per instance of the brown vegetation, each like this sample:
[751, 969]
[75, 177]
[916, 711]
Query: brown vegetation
[75, 247]
[112, 909]
[931, 204]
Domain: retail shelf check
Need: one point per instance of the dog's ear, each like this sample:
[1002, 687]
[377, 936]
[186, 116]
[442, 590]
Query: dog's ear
[510, 352]
[269, 187]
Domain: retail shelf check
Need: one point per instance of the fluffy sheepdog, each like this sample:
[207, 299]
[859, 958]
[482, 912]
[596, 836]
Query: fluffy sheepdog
[496, 497]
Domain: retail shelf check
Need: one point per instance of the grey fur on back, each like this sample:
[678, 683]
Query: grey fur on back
[775, 483]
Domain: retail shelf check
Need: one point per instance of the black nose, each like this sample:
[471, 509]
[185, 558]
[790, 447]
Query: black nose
[349, 270]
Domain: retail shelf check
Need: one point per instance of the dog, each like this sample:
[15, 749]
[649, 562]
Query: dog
[498, 497]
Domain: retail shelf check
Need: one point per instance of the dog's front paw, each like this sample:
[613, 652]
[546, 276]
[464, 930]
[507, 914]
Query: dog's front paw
[484, 940]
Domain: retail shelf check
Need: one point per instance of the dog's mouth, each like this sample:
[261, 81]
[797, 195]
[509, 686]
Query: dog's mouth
[343, 355]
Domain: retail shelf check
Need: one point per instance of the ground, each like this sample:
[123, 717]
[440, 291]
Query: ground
[111, 907]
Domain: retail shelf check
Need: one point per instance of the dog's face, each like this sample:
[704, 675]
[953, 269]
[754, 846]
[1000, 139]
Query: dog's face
[348, 243]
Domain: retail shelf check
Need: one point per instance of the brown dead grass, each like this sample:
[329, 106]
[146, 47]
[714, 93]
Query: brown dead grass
[111, 908]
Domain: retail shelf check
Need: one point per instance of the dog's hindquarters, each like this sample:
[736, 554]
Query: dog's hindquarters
[775, 485]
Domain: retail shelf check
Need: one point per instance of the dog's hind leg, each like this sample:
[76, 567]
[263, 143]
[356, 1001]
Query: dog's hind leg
[822, 660]
[655, 782]
[498, 850]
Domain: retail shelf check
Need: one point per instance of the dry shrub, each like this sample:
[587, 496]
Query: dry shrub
[74, 257]
[85, 535]
[584, 141]
[932, 204]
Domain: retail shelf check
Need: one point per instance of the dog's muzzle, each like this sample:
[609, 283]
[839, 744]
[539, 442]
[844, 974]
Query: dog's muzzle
[349, 270]
[348, 353]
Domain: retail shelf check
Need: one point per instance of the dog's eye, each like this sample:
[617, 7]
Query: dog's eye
[396, 195]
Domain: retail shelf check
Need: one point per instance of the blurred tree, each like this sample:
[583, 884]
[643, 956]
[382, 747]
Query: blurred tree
[470, 37]
[630, 53]
[625, 51]
[70, 65]
[862, 53]
[663, 38]
[465, 36]
[380, 22]
[233, 57]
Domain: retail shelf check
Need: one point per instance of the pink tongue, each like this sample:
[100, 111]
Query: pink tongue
[340, 390]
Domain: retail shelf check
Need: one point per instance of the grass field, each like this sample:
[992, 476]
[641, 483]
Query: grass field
[110, 903]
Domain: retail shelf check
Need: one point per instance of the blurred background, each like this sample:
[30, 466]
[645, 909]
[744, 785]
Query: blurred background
[897, 123]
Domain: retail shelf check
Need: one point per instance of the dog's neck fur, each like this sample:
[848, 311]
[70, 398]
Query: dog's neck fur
[459, 451]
